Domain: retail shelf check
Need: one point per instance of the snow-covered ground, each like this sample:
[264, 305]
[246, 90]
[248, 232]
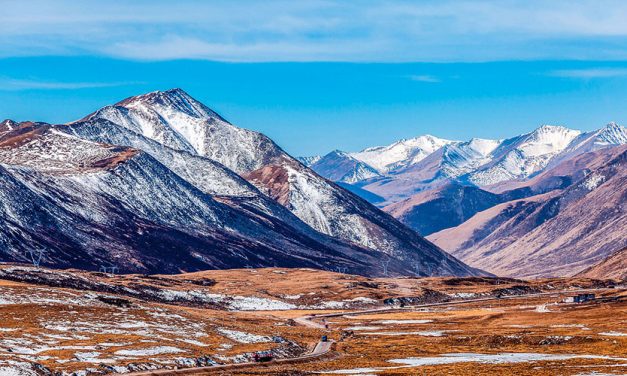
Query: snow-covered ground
[500, 358]
[243, 337]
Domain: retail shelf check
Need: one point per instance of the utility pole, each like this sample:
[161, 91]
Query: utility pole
[385, 264]
[416, 265]
[111, 270]
[36, 255]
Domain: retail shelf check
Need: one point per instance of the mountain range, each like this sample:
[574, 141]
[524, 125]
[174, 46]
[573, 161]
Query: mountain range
[536, 204]
[160, 183]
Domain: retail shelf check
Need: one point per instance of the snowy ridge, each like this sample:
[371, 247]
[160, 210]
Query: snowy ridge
[207, 175]
[610, 135]
[463, 157]
[361, 172]
[401, 153]
[531, 154]
[309, 161]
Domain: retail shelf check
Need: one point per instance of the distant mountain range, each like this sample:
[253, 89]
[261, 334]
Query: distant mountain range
[160, 183]
[490, 201]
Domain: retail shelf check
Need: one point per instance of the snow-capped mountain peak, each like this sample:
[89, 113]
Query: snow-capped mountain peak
[176, 100]
[612, 134]
[462, 157]
[483, 146]
[341, 166]
[176, 120]
[401, 153]
[525, 155]
[547, 139]
[8, 124]
[309, 161]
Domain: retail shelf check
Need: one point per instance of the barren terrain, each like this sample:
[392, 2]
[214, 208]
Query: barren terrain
[93, 323]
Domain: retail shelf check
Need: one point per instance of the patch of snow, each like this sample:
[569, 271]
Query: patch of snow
[501, 358]
[193, 342]
[150, 351]
[243, 337]
[424, 333]
[463, 295]
[593, 181]
[495, 358]
[363, 328]
[401, 322]
[613, 334]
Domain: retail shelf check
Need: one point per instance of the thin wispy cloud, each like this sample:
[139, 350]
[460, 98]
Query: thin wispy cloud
[425, 78]
[15, 84]
[590, 73]
[317, 30]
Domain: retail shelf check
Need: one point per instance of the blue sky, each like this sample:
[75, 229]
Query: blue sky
[321, 75]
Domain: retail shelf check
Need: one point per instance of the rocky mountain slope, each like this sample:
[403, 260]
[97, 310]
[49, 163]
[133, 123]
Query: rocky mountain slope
[557, 233]
[444, 207]
[79, 203]
[341, 167]
[177, 121]
[615, 267]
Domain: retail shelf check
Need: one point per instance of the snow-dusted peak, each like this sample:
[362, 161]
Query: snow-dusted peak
[401, 153]
[483, 146]
[612, 134]
[338, 153]
[525, 155]
[548, 139]
[308, 161]
[176, 120]
[176, 100]
[459, 158]
[8, 124]
[341, 166]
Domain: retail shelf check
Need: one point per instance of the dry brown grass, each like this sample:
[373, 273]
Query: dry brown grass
[505, 325]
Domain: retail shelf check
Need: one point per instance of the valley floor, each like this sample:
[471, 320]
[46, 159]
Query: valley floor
[91, 323]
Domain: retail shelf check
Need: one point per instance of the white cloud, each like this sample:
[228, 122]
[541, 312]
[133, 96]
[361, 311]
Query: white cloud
[14, 84]
[589, 73]
[317, 30]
